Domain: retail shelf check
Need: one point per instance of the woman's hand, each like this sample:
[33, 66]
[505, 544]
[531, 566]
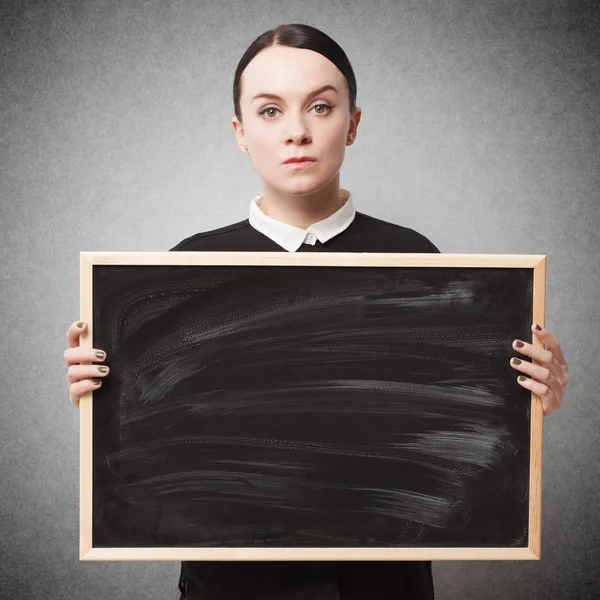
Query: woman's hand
[79, 375]
[548, 378]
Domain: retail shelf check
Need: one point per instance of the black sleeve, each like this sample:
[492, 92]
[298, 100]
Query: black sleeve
[425, 244]
[183, 243]
[434, 248]
[182, 582]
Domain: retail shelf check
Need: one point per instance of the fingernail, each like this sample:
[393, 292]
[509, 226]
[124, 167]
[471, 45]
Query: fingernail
[521, 378]
[538, 327]
[520, 344]
[100, 355]
[96, 381]
[516, 361]
[104, 369]
[80, 324]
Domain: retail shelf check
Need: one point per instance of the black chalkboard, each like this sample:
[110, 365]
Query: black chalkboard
[312, 402]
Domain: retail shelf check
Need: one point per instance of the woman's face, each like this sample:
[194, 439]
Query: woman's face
[297, 122]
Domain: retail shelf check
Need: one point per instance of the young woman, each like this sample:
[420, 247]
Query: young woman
[295, 112]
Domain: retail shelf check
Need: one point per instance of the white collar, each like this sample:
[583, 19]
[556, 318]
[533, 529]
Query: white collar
[291, 237]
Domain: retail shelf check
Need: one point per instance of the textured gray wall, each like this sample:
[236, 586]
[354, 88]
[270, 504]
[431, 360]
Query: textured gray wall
[480, 129]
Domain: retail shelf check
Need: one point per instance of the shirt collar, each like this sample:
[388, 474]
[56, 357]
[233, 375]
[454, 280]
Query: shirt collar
[291, 237]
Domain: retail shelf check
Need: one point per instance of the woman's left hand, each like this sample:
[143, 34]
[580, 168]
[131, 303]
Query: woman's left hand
[548, 378]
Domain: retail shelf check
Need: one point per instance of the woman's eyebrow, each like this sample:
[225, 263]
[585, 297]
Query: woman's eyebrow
[320, 90]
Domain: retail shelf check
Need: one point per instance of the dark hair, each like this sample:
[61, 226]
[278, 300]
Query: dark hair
[296, 35]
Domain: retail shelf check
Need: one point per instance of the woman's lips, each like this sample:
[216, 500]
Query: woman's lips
[296, 164]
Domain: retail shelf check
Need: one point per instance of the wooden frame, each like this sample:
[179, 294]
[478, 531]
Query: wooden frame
[88, 552]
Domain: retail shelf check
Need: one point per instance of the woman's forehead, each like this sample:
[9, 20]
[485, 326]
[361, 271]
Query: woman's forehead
[289, 72]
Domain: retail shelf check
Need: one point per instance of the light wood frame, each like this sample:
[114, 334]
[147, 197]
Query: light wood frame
[341, 259]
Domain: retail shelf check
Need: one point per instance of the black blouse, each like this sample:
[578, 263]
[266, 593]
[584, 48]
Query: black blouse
[314, 580]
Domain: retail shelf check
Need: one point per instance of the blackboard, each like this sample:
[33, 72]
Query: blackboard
[323, 406]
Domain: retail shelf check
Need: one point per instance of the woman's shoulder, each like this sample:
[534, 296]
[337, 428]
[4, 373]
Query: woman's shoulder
[205, 239]
[392, 233]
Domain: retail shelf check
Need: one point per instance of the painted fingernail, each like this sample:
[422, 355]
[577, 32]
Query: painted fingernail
[100, 355]
[538, 327]
[96, 381]
[80, 324]
[520, 344]
[104, 369]
[521, 378]
[516, 361]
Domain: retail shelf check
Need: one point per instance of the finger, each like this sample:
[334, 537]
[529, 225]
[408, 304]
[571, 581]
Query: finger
[79, 388]
[539, 354]
[78, 372]
[540, 374]
[552, 344]
[550, 402]
[80, 355]
[73, 333]
[543, 357]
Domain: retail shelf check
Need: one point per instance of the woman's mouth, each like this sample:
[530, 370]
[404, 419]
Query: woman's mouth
[299, 164]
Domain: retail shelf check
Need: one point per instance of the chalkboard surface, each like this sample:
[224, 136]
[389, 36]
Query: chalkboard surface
[310, 403]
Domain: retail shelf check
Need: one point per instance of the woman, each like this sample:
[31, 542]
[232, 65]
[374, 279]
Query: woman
[295, 100]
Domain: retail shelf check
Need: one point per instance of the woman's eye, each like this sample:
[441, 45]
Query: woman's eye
[264, 110]
[327, 106]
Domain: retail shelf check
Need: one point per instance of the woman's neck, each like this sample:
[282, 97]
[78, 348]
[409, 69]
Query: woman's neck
[302, 211]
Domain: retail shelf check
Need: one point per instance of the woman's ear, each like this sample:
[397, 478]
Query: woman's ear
[354, 121]
[239, 134]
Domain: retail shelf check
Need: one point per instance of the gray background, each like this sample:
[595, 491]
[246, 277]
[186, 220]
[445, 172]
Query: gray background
[480, 129]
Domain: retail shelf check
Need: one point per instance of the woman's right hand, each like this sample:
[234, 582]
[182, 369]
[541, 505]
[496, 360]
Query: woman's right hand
[80, 376]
